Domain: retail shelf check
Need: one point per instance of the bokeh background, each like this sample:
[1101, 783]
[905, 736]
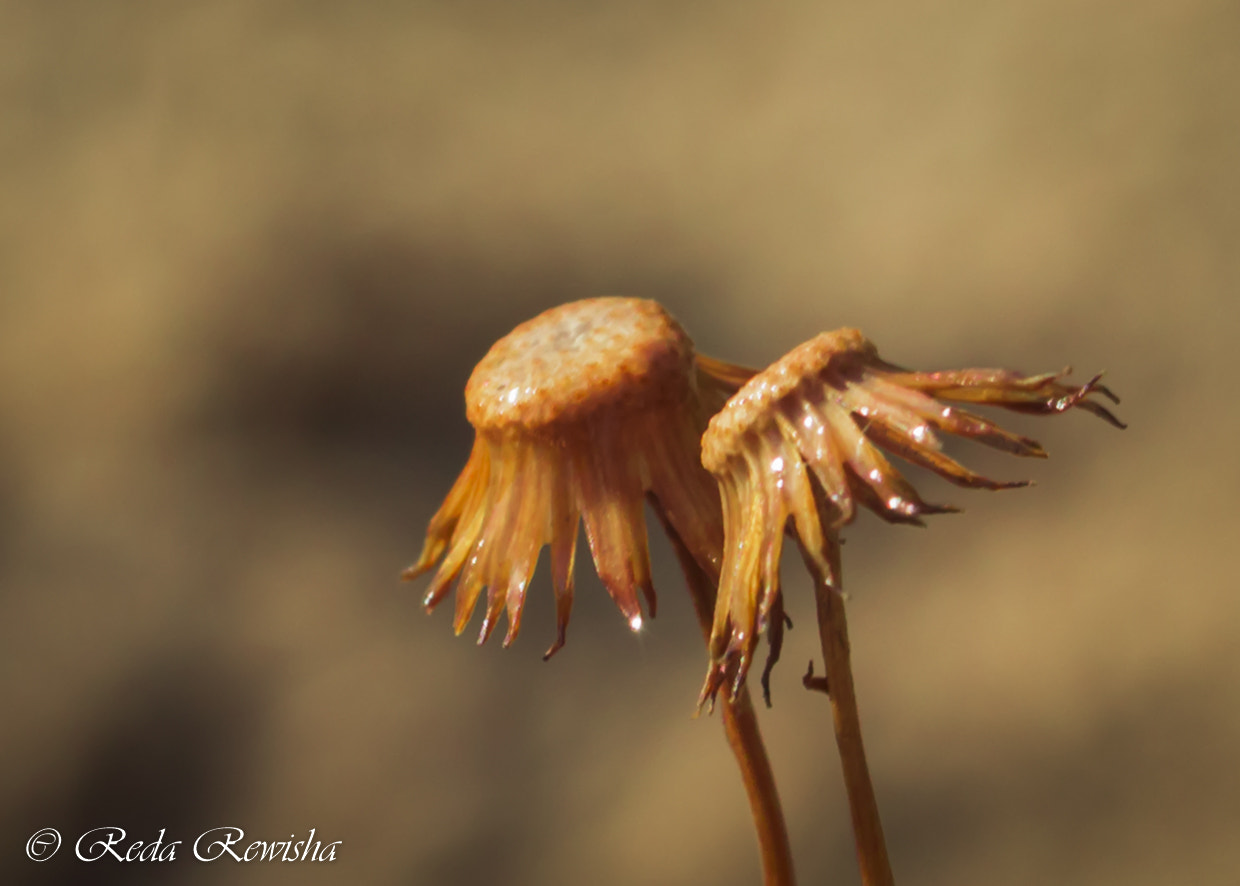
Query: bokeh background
[250, 252]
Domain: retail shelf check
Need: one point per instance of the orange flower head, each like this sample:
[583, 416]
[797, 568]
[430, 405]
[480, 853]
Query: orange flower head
[802, 441]
[579, 414]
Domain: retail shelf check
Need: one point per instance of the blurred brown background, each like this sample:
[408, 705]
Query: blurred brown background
[250, 252]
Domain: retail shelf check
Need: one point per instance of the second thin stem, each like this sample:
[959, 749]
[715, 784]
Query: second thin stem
[863, 805]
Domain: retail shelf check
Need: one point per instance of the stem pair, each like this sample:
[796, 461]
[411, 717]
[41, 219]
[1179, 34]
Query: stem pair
[741, 725]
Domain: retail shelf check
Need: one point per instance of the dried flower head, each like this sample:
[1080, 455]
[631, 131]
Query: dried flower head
[802, 441]
[579, 414]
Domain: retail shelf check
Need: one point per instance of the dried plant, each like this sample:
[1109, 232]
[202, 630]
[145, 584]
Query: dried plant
[592, 408]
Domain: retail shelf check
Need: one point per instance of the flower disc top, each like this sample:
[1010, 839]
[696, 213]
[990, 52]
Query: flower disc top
[572, 360]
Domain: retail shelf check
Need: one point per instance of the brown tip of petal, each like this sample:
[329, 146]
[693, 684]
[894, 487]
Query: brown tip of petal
[715, 678]
[1093, 387]
[556, 646]
[431, 552]
[998, 485]
[1103, 413]
[577, 358]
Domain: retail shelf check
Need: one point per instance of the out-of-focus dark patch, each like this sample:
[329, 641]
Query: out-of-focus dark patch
[329, 343]
[9, 505]
[173, 754]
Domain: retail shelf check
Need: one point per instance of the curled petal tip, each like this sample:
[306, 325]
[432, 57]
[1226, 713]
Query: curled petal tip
[1103, 389]
[1072, 398]
[561, 634]
[554, 648]
[715, 678]
[1094, 387]
[1103, 413]
[1079, 399]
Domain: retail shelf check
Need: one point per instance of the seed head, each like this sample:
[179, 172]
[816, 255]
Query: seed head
[802, 441]
[579, 415]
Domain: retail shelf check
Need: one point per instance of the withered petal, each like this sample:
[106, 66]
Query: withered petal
[611, 502]
[934, 460]
[564, 522]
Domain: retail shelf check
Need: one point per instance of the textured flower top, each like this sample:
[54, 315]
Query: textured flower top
[575, 360]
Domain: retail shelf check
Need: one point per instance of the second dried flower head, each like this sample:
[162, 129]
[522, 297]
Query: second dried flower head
[800, 447]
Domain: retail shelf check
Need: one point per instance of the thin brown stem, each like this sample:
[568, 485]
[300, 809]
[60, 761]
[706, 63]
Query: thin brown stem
[867, 828]
[740, 723]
